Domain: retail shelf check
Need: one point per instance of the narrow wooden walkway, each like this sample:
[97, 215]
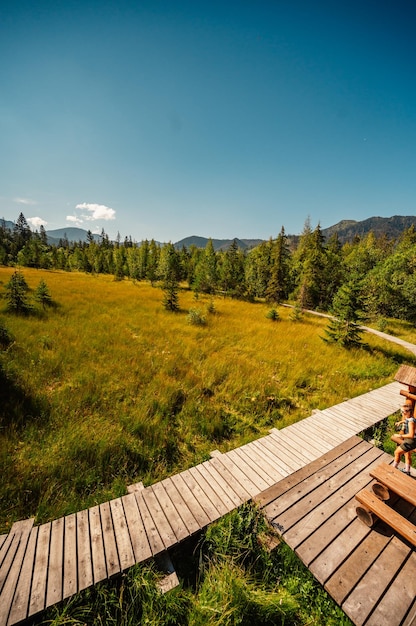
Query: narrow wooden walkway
[42, 565]
[370, 573]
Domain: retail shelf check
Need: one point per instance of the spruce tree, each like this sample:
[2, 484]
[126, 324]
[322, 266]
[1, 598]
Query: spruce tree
[43, 295]
[344, 327]
[16, 294]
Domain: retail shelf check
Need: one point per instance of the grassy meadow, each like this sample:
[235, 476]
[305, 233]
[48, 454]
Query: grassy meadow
[108, 388]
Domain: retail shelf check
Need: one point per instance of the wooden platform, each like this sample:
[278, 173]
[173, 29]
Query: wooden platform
[42, 565]
[370, 572]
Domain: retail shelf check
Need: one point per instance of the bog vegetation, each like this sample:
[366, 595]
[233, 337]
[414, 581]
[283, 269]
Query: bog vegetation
[122, 373]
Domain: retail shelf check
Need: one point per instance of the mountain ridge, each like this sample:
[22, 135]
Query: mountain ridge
[347, 230]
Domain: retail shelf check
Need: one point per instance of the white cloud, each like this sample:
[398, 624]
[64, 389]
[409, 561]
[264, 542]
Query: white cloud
[27, 201]
[36, 222]
[98, 211]
[74, 220]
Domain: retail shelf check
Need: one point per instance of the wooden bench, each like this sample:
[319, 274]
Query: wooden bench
[390, 482]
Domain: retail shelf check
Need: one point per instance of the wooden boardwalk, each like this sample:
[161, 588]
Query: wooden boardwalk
[42, 565]
[370, 573]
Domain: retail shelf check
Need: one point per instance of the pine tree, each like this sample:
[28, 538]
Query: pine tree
[16, 294]
[277, 286]
[43, 295]
[171, 298]
[344, 327]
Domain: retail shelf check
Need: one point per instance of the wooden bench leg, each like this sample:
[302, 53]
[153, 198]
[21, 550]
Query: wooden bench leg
[365, 516]
[381, 491]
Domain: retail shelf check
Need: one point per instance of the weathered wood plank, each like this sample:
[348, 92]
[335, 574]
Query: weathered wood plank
[299, 432]
[272, 460]
[207, 486]
[262, 461]
[321, 439]
[155, 541]
[97, 545]
[110, 546]
[121, 531]
[209, 508]
[374, 583]
[277, 448]
[20, 604]
[162, 523]
[323, 422]
[137, 532]
[228, 495]
[171, 513]
[239, 477]
[223, 467]
[219, 486]
[246, 468]
[55, 565]
[70, 582]
[9, 572]
[311, 475]
[248, 461]
[340, 583]
[181, 506]
[294, 446]
[192, 502]
[84, 556]
[304, 516]
[40, 571]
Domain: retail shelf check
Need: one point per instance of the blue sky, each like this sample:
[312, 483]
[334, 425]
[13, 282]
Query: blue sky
[220, 119]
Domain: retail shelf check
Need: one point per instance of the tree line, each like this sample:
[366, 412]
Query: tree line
[378, 271]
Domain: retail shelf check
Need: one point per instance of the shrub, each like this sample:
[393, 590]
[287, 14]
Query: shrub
[273, 315]
[196, 318]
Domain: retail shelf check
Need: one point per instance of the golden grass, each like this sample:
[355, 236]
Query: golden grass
[119, 390]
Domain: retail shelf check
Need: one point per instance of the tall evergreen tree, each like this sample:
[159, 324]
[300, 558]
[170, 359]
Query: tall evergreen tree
[344, 327]
[279, 275]
[17, 294]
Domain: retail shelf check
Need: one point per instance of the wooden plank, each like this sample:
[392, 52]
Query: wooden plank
[225, 472]
[137, 532]
[262, 461]
[330, 559]
[323, 440]
[9, 573]
[207, 487]
[97, 545]
[288, 463]
[160, 521]
[401, 525]
[55, 566]
[109, 539]
[38, 591]
[245, 468]
[121, 531]
[349, 573]
[264, 452]
[298, 448]
[194, 506]
[20, 604]
[338, 424]
[374, 583]
[250, 462]
[306, 515]
[84, 556]
[210, 510]
[324, 423]
[170, 510]
[70, 582]
[299, 433]
[181, 506]
[155, 541]
[309, 478]
[228, 495]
